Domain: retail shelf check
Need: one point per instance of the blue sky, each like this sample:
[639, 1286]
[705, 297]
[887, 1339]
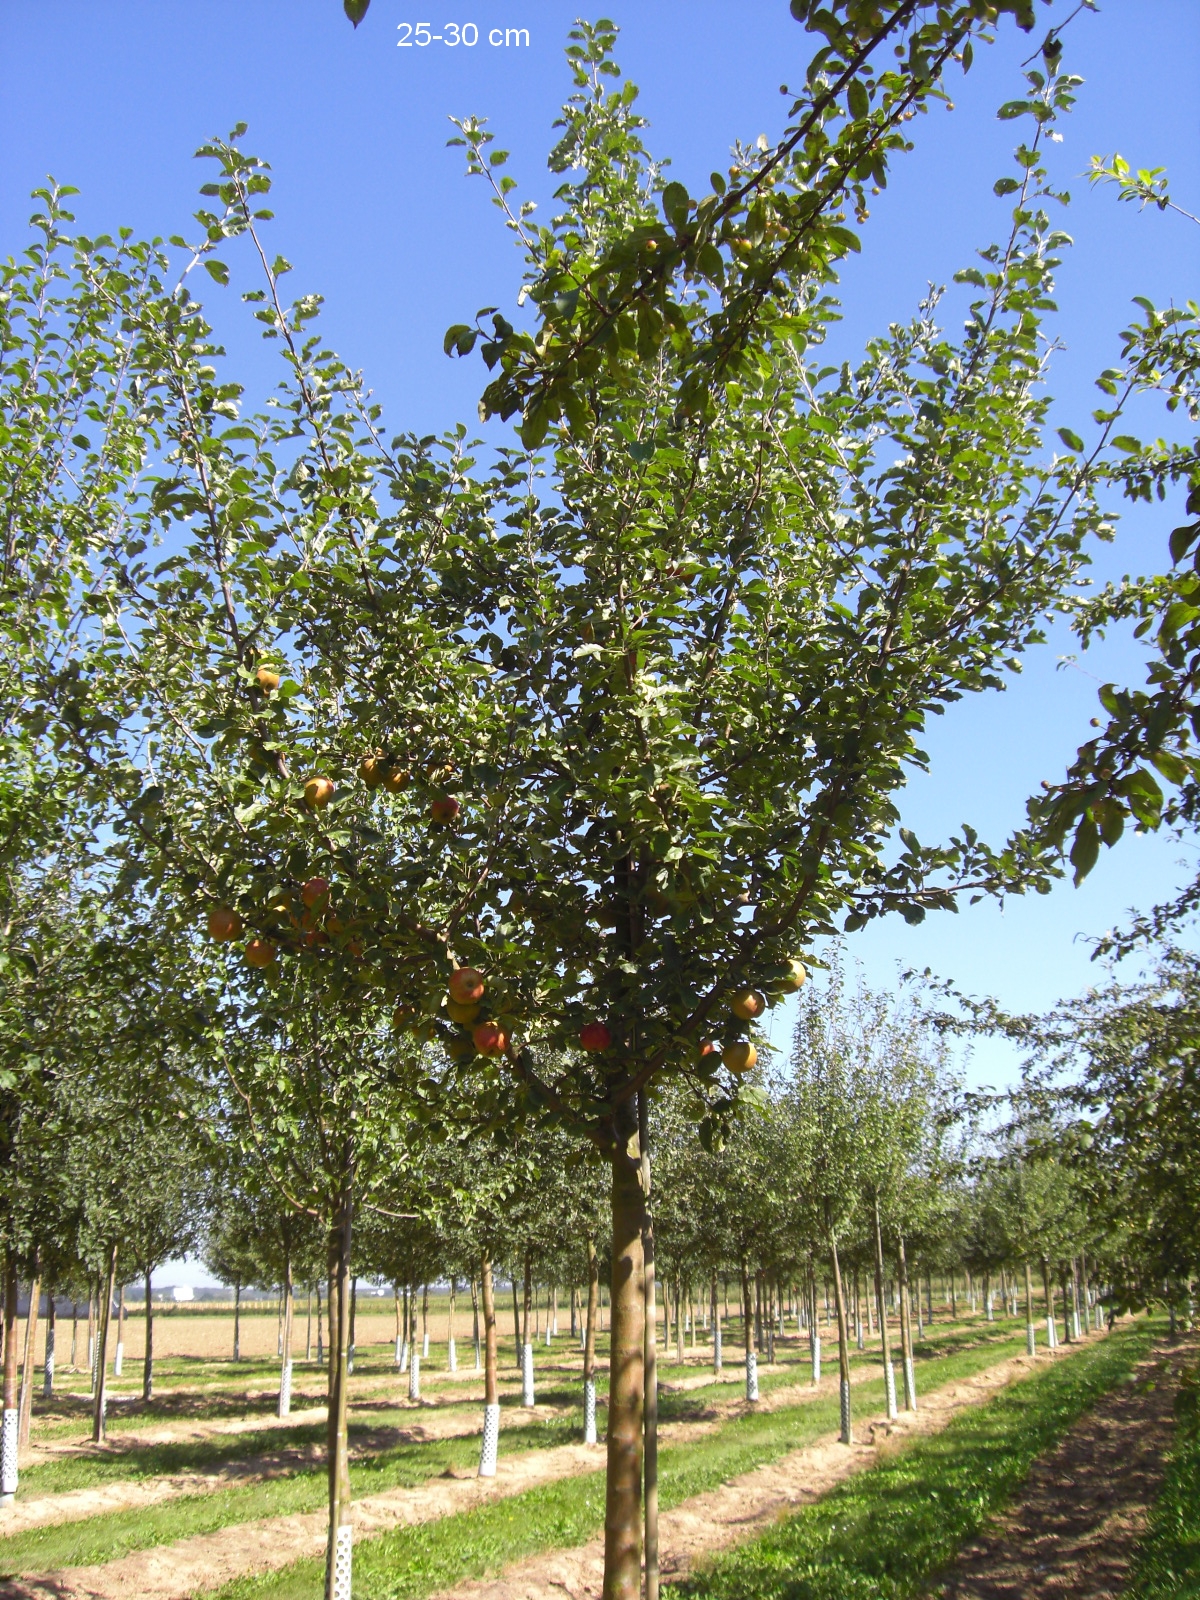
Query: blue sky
[375, 214]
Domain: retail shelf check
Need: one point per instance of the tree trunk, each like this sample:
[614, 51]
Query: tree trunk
[399, 1334]
[93, 1306]
[490, 1448]
[339, 1553]
[843, 1328]
[119, 1358]
[25, 1405]
[237, 1319]
[527, 1393]
[424, 1321]
[354, 1319]
[74, 1334]
[148, 1361]
[48, 1362]
[889, 1377]
[589, 1346]
[626, 1383]
[910, 1377]
[475, 1320]
[1051, 1331]
[100, 1401]
[715, 1312]
[1030, 1331]
[517, 1342]
[649, 1359]
[748, 1333]
[320, 1329]
[953, 1297]
[451, 1348]
[10, 1422]
[285, 1370]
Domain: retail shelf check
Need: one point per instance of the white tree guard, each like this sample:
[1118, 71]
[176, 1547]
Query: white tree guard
[451, 1356]
[490, 1449]
[548, 1337]
[751, 1375]
[589, 1411]
[404, 1355]
[119, 1360]
[478, 1357]
[414, 1376]
[910, 1385]
[1051, 1334]
[399, 1356]
[991, 1315]
[527, 1395]
[350, 1359]
[343, 1563]
[48, 1369]
[1030, 1339]
[285, 1390]
[91, 1352]
[1075, 1322]
[816, 1358]
[425, 1347]
[717, 1346]
[889, 1384]
[8, 1456]
[844, 1396]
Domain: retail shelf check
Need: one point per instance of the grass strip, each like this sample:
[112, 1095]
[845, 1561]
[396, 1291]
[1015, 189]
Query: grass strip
[1167, 1561]
[883, 1534]
[114, 1534]
[414, 1562]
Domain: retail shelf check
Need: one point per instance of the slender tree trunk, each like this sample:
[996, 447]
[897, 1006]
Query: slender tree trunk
[148, 1359]
[48, 1360]
[649, 1359]
[74, 1335]
[910, 1377]
[451, 1347]
[715, 1312]
[475, 1320]
[25, 1406]
[517, 1343]
[1030, 1331]
[399, 1334]
[748, 1329]
[847, 1436]
[354, 1319]
[889, 1375]
[490, 1448]
[320, 1328]
[424, 1321]
[10, 1421]
[953, 1297]
[100, 1401]
[589, 1345]
[308, 1328]
[119, 1358]
[237, 1319]
[93, 1307]
[626, 1383]
[340, 1549]
[285, 1369]
[527, 1392]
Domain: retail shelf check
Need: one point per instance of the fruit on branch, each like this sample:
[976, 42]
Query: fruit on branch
[223, 923]
[372, 770]
[797, 974]
[267, 678]
[463, 1014]
[398, 778]
[444, 811]
[708, 1051]
[314, 891]
[260, 953]
[595, 1036]
[748, 1004]
[739, 1056]
[460, 1048]
[466, 986]
[489, 1038]
[318, 791]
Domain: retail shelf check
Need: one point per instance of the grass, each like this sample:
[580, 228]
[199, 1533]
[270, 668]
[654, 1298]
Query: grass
[413, 1562]
[884, 1534]
[114, 1534]
[1167, 1561]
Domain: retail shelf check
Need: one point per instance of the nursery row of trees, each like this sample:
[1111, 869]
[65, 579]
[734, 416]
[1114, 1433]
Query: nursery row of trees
[364, 797]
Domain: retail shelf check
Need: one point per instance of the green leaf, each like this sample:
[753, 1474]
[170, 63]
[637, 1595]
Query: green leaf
[1070, 439]
[1085, 848]
[356, 10]
[217, 270]
[1182, 540]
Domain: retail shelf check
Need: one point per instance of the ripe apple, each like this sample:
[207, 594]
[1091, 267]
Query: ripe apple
[318, 791]
[223, 923]
[372, 770]
[595, 1036]
[797, 973]
[260, 953]
[267, 678]
[740, 1056]
[462, 1014]
[314, 891]
[708, 1051]
[444, 811]
[747, 1004]
[397, 779]
[489, 1038]
[466, 986]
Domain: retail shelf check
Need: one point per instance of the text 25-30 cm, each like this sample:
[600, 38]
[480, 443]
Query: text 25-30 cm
[420, 34]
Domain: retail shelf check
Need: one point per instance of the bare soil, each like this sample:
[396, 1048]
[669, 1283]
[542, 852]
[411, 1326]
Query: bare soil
[1084, 1505]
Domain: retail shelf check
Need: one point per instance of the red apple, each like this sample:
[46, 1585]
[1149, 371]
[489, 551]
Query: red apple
[707, 1050]
[740, 1056]
[747, 1004]
[223, 923]
[489, 1038]
[466, 986]
[595, 1036]
[314, 891]
[397, 779]
[260, 953]
[444, 811]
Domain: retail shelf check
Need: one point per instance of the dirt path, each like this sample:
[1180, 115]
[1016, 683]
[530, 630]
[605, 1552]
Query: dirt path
[745, 1506]
[1083, 1506]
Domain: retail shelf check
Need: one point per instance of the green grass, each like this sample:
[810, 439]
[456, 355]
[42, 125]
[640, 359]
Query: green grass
[410, 1563]
[1167, 1561]
[105, 1538]
[884, 1534]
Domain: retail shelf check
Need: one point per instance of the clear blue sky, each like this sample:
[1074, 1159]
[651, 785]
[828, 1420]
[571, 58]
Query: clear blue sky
[375, 214]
